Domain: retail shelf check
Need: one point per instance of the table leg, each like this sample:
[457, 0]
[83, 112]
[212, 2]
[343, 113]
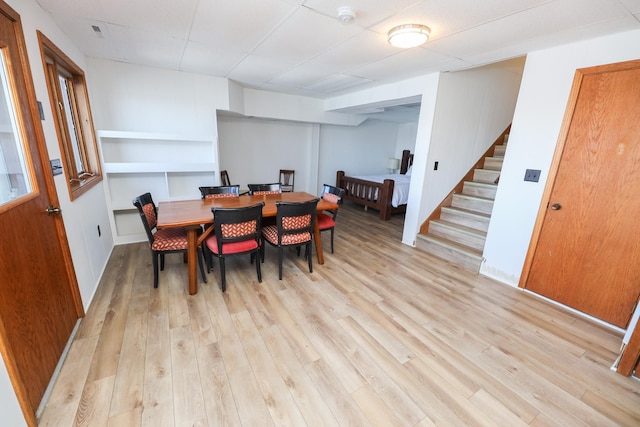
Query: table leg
[316, 237]
[192, 259]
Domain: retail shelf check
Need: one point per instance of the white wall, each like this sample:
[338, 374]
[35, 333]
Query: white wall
[360, 150]
[544, 93]
[276, 144]
[472, 109]
[127, 97]
[254, 150]
[9, 406]
[407, 134]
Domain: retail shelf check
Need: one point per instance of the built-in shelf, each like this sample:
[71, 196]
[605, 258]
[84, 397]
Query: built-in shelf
[170, 167]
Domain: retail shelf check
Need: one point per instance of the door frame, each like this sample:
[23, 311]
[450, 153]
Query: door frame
[557, 156]
[553, 171]
[43, 167]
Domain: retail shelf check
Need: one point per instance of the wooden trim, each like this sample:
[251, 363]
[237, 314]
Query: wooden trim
[553, 172]
[630, 355]
[555, 162]
[458, 188]
[7, 351]
[407, 160]
[89, 143]
[43, 168]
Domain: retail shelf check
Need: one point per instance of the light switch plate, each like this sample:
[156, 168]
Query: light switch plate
[56, 166]
[532, 175]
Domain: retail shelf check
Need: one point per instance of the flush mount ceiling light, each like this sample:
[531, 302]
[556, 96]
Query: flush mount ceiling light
[408, 35]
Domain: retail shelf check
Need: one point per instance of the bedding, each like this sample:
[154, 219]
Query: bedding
[400, 194]
[379, 191]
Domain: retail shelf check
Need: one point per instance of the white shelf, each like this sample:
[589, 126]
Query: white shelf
[170, 167]
[137, 167]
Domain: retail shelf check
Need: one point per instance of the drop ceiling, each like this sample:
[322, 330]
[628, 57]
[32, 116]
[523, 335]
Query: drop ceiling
[301, 47]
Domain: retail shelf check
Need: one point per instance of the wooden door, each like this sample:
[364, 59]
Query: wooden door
[39, 298]
[588, 252]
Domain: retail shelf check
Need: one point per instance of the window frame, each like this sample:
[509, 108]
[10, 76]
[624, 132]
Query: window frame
[56, 64]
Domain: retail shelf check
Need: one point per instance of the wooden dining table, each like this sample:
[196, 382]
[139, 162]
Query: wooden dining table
[192, 214]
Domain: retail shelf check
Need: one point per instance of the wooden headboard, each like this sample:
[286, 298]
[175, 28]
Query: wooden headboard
[407, 160]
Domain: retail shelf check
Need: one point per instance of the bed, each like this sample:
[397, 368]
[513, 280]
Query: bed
[386, 193]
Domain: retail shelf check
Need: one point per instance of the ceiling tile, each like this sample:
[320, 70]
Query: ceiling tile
[304, 35]
[245, 23]
[404, 64]
[368, 12]
[207, 60]
[256, 69]
[287, 45]
[445, 17]
[147, 48]
[364, 48]
[545, 19]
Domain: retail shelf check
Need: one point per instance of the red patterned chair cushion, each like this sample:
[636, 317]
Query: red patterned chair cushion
[325, 221]
[270, 232]
[150, 214]
[262, 193]
[293, 222]
[231, 247]
[239, 229]
[170, 239]
[330, 197]
[219, 196]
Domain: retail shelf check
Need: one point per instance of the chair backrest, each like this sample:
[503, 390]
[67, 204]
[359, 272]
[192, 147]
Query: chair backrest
[220, 191]
[237, 224]
[224, 178]
[332, 194]
[287, 178]
[258, 189]
[148, 213]
[295, 221]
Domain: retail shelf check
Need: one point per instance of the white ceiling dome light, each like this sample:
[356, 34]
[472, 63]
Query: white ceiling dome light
[408, 35]
[346, 14]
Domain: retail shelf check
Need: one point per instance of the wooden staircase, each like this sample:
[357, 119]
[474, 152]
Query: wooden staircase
[459, 231]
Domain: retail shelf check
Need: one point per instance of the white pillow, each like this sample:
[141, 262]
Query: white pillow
[408, 173]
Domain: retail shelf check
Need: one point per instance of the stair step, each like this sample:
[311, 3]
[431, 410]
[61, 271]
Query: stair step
[481, 189]
[458, 233]
[461, 255]
[493, 163]
[472, 203]
[485, 175]
[472, 219]
[500, 150]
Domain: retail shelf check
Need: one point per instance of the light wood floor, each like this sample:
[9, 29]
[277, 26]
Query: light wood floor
[380, 335]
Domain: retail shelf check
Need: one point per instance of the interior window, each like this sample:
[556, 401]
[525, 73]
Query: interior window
[72, 115]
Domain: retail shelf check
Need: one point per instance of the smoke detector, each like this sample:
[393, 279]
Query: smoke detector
[346, 14]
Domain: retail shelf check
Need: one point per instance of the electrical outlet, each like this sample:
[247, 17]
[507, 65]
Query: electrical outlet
[532, 175]
[435, 166]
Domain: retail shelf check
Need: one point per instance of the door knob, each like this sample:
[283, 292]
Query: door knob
[52, 210]
[556, 206]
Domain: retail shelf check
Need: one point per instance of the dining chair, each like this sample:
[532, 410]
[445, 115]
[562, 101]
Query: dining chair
[327, 219]
[287, 178]
[294, 227]
[237, 231]
[261, 189]
[162, 241]
[224, 178]
[219, 191]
